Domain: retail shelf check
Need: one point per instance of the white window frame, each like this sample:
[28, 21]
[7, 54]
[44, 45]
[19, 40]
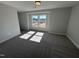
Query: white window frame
[39, 20]
[29, 16]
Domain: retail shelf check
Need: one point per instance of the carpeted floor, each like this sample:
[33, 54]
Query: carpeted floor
[51, 46]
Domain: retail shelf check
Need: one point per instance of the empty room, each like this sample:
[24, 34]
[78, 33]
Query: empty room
[39, 29]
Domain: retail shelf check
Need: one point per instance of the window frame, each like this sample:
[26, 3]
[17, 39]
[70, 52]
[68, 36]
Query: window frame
[46, 20]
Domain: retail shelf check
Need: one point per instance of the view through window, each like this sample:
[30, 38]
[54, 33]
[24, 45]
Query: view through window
[39, 20]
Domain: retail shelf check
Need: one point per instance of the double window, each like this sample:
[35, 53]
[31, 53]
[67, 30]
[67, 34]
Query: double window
[39, 21]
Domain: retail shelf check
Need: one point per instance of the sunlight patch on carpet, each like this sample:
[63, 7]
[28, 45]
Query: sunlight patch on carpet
[27, 35]
[31, 32]
[39, 34]
[37, 37]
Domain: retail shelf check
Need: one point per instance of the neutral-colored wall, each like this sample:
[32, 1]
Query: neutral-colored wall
[9, 25]
[22, 20]
[73, 27]
[57, 21]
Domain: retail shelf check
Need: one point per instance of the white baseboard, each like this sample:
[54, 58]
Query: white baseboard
[72, 41]
[57, 33]
[68, 37]
[9, 37]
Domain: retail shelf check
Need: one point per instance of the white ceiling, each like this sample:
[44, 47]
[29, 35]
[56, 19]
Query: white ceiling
[29, 5]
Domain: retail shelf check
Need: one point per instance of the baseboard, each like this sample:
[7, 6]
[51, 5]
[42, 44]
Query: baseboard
[9, 37]
[57, 33]
[72, 41]
[3, 40]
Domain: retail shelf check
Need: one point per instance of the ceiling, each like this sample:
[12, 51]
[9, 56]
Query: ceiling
[30, 6]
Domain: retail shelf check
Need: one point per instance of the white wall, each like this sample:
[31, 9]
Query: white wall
[57, 21]
[73, 27]
[9, 25]
[23, 20]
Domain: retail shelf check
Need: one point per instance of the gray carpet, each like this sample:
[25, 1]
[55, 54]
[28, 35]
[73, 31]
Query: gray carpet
[51, 46]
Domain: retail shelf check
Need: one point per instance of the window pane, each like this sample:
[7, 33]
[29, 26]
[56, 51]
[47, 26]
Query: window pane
[42, 17]
[35, 18]
[42, 22]
[35, 21]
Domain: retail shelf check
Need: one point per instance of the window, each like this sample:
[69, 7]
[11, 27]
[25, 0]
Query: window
[35, 21]
[39, 20]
